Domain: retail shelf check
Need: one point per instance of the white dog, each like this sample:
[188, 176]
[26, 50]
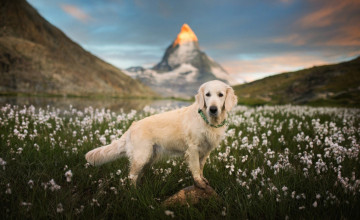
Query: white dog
[192, 132]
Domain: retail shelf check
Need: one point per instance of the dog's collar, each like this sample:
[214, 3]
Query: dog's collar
[201, 113]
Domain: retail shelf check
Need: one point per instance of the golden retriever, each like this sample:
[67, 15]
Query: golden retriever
[192, 132]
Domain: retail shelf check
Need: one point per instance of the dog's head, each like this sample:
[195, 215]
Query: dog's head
[215, 98]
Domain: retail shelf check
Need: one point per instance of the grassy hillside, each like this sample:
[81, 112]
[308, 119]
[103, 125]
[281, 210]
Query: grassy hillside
[337, 84]
[38, 58]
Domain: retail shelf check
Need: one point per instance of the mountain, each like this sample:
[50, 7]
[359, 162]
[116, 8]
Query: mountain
[183, 68]
[336, 84]
[38, 58]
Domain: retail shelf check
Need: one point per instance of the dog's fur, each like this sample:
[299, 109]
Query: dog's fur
[179, 132]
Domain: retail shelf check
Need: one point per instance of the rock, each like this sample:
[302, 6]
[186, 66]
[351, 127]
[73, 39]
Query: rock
[190, 195]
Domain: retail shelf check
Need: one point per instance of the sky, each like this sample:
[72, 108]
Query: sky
[251, 39]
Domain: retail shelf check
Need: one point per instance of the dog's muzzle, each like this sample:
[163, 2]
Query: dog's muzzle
[213, 110]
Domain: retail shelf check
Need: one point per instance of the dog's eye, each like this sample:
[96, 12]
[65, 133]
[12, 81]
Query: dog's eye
[221, 95]
[208, 94]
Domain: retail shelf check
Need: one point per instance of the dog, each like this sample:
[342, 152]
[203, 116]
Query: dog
[192, 132]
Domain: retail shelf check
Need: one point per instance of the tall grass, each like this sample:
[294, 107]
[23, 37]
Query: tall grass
[275, 162]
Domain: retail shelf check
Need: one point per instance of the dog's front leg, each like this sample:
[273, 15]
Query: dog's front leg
[202, 164]
[192, 158]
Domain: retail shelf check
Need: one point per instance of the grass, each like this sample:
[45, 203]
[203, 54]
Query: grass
[275, 162]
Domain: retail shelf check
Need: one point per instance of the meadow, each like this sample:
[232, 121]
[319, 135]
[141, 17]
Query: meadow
[275, 162]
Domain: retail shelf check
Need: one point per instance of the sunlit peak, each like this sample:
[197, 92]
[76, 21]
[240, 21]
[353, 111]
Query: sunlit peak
[185, 35]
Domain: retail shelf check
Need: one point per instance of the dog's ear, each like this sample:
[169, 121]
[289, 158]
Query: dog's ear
[200, 98]
[231, 99]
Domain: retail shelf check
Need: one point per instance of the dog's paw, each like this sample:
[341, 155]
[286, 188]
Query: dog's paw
[205, 180]
[200, 183]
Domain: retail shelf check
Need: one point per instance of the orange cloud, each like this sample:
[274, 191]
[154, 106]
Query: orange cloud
[294, 39]
[253, 69]
[76, 12]
[348, 36]
[320, 18]
[333, 23]
[333, 11]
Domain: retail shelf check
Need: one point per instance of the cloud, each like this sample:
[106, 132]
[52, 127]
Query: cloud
[330, 12]
[286, 1]
[294, 39]
[320, 18]
[257, 68]
[347, 36]
[76, 12]
[329, 23]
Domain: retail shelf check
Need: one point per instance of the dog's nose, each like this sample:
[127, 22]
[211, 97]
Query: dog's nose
[213, 109]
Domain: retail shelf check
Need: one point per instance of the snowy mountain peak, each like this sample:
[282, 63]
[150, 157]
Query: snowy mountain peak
[183, 68]
[186, 35]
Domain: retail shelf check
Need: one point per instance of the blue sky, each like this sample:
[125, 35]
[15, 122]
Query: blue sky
[250, 39]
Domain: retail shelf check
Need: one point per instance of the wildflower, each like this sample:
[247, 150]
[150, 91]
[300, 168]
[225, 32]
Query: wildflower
[31, 184]
[80, 210]
[8, 189]
[223, 212]
[94, 202]
[114, 190]
[19, 150]
[59, 208]
[74, 150]
[27, 205]
[68, 176]
[51, 185]
[2, 163]
[102, 139]
[169, 213]
[315, 204]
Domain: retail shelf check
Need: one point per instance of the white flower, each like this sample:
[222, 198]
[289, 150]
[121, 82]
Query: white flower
[59, 208]
[102, 139]
[31, 184]
[169, 213]
[315, 204]
[2, 163]
[114, 190]
[19, 150]
[8, 190]
[68, 175]
[52, 185]
[223, 212]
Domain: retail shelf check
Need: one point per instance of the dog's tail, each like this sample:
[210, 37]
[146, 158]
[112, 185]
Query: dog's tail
[107, 153]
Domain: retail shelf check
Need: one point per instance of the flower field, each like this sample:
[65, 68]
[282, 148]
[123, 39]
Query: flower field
[276, 162]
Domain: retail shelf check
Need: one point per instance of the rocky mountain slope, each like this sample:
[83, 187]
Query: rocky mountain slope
[183, 68]
[38, 58]
[337, 84]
